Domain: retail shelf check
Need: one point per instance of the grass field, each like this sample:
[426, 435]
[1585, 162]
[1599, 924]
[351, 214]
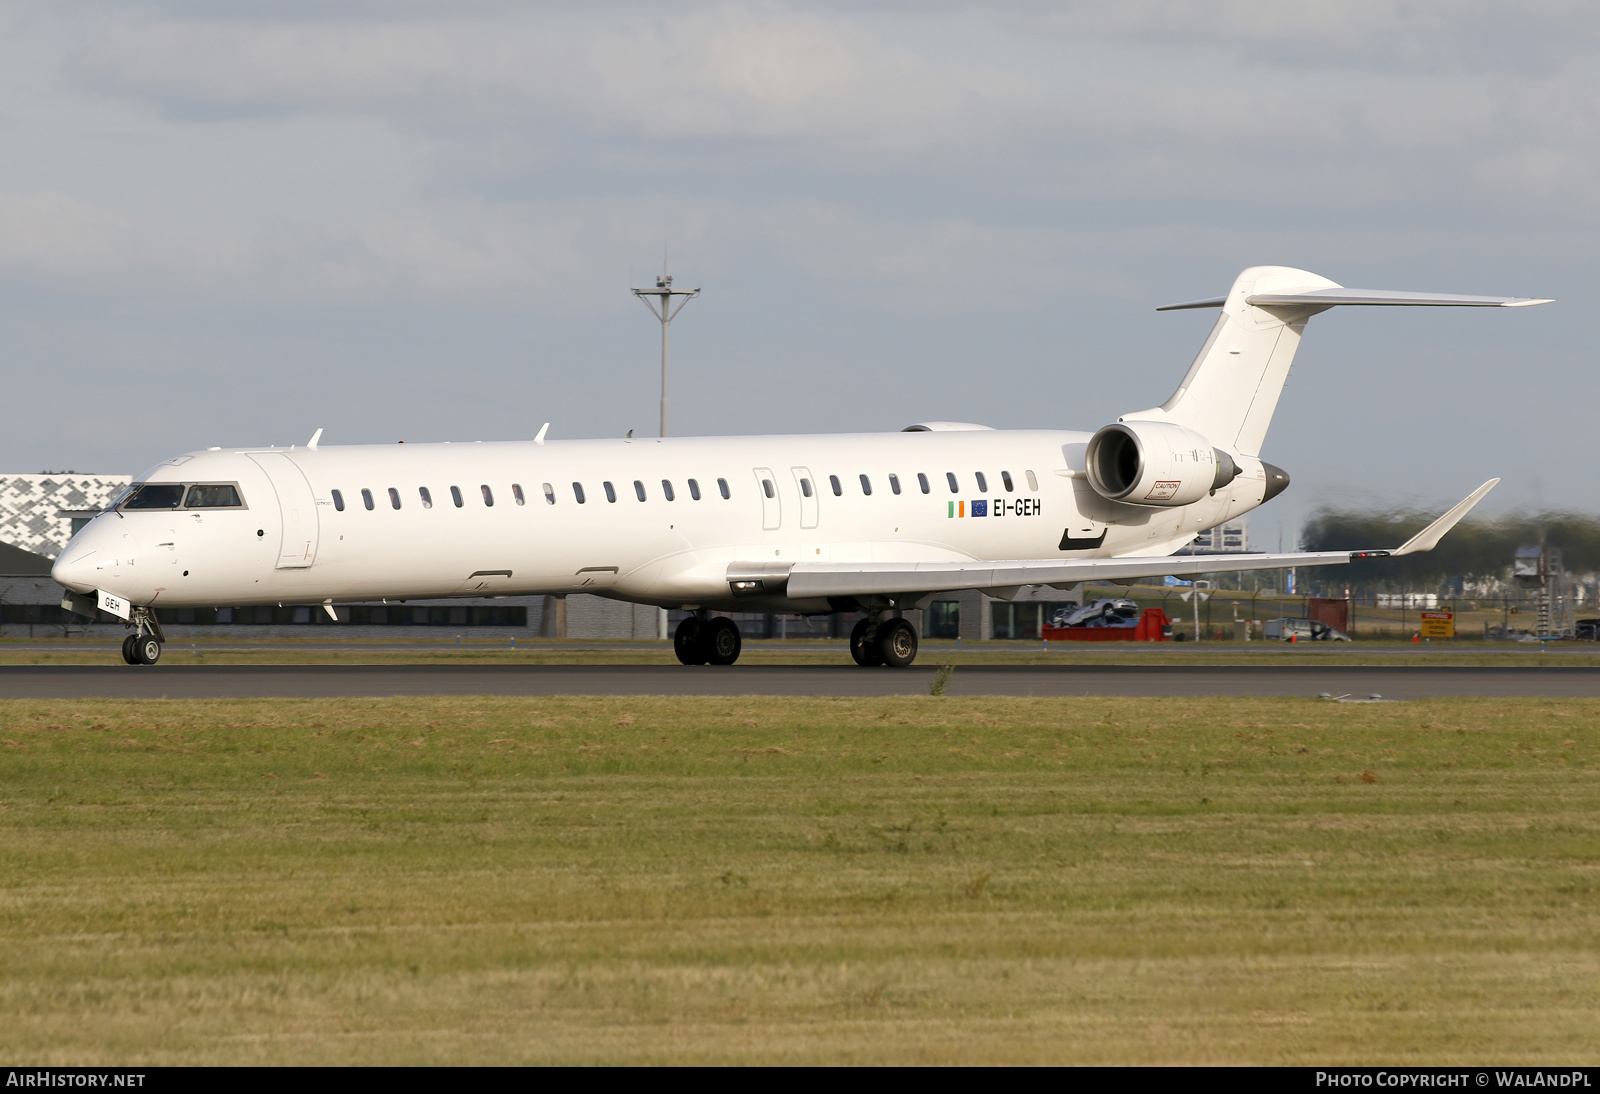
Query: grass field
[712, 880]
[792, 652]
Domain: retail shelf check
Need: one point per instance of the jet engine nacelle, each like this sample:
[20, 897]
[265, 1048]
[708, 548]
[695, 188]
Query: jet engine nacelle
[1156, 463]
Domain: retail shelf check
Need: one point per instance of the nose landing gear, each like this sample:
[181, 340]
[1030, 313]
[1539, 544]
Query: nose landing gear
[875, 641]
[143, 647]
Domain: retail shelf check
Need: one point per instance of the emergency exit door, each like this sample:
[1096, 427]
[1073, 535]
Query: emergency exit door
[805, 485]
[771, 504]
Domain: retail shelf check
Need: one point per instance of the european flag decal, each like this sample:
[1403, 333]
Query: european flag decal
[980, 508]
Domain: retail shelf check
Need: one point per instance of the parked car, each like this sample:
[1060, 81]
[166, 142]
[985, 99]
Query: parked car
[1302, 630]
[1587, 630]
[1102, 613]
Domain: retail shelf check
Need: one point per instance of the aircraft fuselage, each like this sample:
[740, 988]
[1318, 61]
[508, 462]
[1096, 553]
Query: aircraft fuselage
[361, 522]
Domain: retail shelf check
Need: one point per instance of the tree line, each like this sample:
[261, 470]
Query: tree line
[1476, 548]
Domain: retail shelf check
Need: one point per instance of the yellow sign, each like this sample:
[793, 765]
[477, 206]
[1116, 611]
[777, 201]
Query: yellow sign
[1438, 624]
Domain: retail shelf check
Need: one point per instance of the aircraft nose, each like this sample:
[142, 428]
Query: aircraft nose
[75, 569]
[75, 566]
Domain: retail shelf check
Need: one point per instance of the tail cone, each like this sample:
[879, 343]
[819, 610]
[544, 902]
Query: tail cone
[1277, 481]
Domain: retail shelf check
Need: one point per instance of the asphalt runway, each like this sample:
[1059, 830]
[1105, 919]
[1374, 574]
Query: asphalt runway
[334, 681]
[842, 650]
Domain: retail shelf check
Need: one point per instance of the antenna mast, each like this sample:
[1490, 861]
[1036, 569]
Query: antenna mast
[660, 302]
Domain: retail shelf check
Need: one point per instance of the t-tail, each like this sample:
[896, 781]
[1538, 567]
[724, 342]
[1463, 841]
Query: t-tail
[1231, 390]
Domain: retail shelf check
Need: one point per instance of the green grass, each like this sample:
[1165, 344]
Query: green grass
[651, 880]
[814, 652]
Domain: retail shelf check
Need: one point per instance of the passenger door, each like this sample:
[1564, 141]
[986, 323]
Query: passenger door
[297, 510]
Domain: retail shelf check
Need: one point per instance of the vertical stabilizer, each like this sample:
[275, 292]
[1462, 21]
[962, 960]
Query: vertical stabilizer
[1232, 388]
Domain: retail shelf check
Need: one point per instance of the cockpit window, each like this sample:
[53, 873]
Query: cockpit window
[213, 497]
[156, 495]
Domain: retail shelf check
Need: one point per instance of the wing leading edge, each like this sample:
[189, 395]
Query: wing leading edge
[888, 579]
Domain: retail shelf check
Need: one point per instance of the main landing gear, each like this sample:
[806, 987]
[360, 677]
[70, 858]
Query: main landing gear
[703, 639]
[891, 642]
[143, 647]
[707, 641]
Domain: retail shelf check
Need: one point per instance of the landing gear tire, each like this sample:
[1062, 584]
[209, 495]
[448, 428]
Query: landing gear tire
[689, 642]
[896, 643]
[864, 648]
[130, 652]
[722, 641]
[147, 649]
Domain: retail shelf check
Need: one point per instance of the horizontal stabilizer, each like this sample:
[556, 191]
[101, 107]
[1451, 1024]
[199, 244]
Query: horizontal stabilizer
[1391, 298]
[1379, 298]
[816, 580]
[1208, 302]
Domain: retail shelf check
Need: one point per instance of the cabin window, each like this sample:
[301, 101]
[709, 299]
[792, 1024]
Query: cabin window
[722, 486]
[638, 489]
[1033, 483]
[805, 487]
[394, 498]
[1005, 477]
[366, 497]
[983, 483]
[611, 492]
[833, 481]
[694, 489]
[767, 489]
[577, 491]
[488, 495]
[894, 483]
[427, 498]
[455, 496]
[213, 497]
[156, 495]
[666, 490]
[516, 493]
[338, 500]
[922, 481]
[549, 494]
[950, 477]
[866, 486]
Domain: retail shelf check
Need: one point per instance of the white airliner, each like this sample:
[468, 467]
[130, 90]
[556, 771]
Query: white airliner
[872, 522]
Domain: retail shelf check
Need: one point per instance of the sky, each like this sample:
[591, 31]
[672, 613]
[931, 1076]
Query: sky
[232, 224]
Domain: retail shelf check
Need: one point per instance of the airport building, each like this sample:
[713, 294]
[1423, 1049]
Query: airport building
[1230, 538]
[39, 513]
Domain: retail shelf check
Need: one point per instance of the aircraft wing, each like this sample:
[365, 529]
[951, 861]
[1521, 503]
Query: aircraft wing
[807, 580]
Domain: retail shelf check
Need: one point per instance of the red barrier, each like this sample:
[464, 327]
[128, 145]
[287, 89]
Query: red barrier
[1152, 627]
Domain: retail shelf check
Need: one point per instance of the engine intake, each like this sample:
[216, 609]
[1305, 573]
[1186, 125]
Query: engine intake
[1156, 463]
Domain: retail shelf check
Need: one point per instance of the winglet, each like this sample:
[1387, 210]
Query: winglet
[315, 437]
[1430, 536]
[542, 431]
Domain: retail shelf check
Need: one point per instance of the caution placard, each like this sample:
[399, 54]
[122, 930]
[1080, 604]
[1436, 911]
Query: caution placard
[1438, 625]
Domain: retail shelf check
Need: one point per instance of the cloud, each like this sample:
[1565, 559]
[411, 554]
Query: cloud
[498, 155]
